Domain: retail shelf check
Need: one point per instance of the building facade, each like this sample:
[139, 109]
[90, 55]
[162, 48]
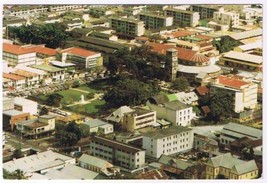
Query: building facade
[127, 26]
[205, 11]
[117, 153]
[244, 93]
[183, 18]
[226, 18]
[155, 21]
[168, 141]
[227, 166]
[138, 118]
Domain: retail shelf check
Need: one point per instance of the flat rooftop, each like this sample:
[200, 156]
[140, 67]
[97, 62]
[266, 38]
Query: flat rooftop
[174, 130]
[255, 59]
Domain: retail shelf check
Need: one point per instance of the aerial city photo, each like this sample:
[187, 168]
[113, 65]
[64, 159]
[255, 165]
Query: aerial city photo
[98, 92]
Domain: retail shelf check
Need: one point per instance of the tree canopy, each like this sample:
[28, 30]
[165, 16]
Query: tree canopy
[68, 135]
[54, 99]
[225, 44]
[17, 174]
[140, 62]
[220, 105]
[52, 35]
[181, 84]
[130, 92]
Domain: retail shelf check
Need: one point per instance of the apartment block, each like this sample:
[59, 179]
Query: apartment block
[117, 153]
[176, 112]
[231, 168]
[205, 11]
[138, 118]
[153, 21]
[244, 93]
[127, 26]
[168, 141]
[229, 18]
[183, 18]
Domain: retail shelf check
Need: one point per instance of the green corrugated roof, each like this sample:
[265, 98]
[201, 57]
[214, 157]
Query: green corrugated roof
[172, 97]
[48, 68]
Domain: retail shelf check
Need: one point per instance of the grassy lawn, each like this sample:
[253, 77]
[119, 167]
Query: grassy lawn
[86, 88]
[91, 108]
[71, 96]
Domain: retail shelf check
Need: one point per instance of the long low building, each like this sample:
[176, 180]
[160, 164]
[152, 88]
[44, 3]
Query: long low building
[234, 131]
[117, 153]
[242, 61]
[39, 163]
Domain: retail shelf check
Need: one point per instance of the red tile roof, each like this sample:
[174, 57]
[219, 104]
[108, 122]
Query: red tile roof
[13, 77]
[19, 50]
[142, 38]
[204, 37]
[206, 109]
[15, 49]
[182, 33]
[202, 90]
[231, 82]
[183, 53]
[79, 51]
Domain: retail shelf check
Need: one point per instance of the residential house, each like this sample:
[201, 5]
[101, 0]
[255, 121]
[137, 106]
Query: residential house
[97, 165]
[194, 172]
[176, 112]
[189, 98]
[205, 144]
[234, 131]
[39, 163]
[168, 141]
[96, 125]
[229, 167]
[31, 79]
[34, 128]
[82, 58]
[12, 117]
[138, 118]
[117, 153]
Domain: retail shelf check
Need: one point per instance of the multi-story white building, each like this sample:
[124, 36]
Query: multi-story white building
[153, 21]
[14, 81]
[205, 11]
[65, 7]
[168, 141]
[127, 26]
[117, 153]
[183, 18]
[229, 18]
[30, 77]
[82, 58]
[25, 105]
[244, 93]
[176, 112]
[15, 55]
[138, 118]
[24, 11]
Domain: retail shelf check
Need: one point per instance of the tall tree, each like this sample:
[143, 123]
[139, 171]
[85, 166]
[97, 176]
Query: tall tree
[44, 110]
[221, 105]
[54, 99]
[181, 84]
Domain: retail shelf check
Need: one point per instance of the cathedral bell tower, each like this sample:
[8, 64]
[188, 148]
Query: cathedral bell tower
[172, 62]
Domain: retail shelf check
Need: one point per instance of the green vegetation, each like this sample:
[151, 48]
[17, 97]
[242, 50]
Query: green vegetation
[54, 99]
[181, 84]
[225, 44]
[52, 35]
[91, 108]
[130, 92]
[68, 135]
[70, 96]
[17, 174]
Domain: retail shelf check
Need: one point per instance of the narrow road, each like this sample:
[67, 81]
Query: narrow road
[80, 90]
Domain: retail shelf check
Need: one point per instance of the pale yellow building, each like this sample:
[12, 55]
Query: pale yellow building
[227, 166]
